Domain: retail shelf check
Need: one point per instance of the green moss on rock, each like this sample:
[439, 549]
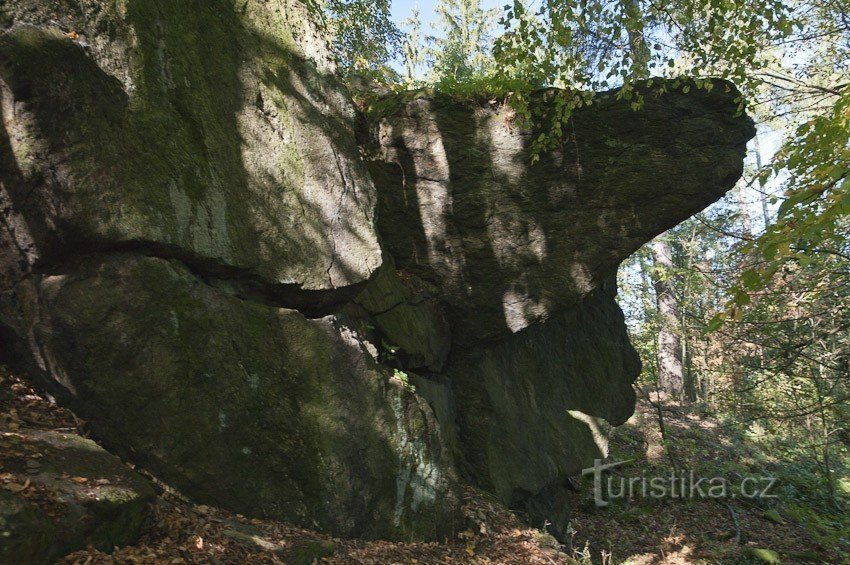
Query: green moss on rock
[104, 506]
[250, 407]
[26, 533]
[214, 129]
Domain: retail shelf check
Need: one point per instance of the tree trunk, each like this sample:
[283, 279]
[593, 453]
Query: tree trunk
[671, 374]
[744, 212]
[638, 48]
[764, 209]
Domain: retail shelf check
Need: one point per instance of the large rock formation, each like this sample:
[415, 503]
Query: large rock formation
[194, 129]
[523, 259]
[83, 497]
[183, 200]
[509, 244]
[195, 257]
[251, 407]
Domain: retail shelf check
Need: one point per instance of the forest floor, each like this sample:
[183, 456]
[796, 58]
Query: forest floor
[734, 528]
[637, 530]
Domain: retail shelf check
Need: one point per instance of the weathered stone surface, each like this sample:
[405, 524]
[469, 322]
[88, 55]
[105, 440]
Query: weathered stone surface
[510, 244]
[250, 407]
[530, 406]
[408, 317]
[533, 409]
[525, 257]
[189, 258]
[210, 131]
[82, 496]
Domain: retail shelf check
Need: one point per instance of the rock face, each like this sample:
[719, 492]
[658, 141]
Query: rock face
[523, 260]
[195, 257]
[183, 205]
[537, 419]
[78, 495]
[198, 129]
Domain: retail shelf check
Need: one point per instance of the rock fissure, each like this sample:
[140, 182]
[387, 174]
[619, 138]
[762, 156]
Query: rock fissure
[399, 304]
[226, 279]
[197, 248]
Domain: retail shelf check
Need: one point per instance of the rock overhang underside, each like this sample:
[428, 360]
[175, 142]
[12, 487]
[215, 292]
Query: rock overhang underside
[204, 254]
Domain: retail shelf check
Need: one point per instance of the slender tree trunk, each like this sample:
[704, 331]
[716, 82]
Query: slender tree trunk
[691, 386]
[765, 212]
[744, 212]
[671, 374]
[638, 48]
[645, 286]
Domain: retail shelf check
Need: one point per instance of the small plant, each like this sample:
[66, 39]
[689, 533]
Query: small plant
[404, 378]
[389, 350]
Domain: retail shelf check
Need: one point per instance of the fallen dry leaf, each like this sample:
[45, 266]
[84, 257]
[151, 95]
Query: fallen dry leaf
[17, 487]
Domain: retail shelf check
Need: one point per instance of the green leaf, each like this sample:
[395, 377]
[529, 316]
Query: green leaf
[741, 298]
[715, 323]
[751, 279]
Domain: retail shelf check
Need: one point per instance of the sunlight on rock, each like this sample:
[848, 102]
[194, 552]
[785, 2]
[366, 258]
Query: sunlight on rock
[582, 278]
[506, 148]
[537, 241]
[417, 473]
[16, 229]
[434, 195]
[600, 438]
[19, 124]
[203, 222]
[521, 310]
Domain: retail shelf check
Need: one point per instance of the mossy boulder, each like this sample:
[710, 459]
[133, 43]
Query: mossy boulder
[524, 258]
[251, 407]
[76, 495]
[307, 553]
[762, 555]
[210, 131]
[26, 532]
[510, 244]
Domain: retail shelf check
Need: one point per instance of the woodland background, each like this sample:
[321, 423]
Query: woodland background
[740, 313]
